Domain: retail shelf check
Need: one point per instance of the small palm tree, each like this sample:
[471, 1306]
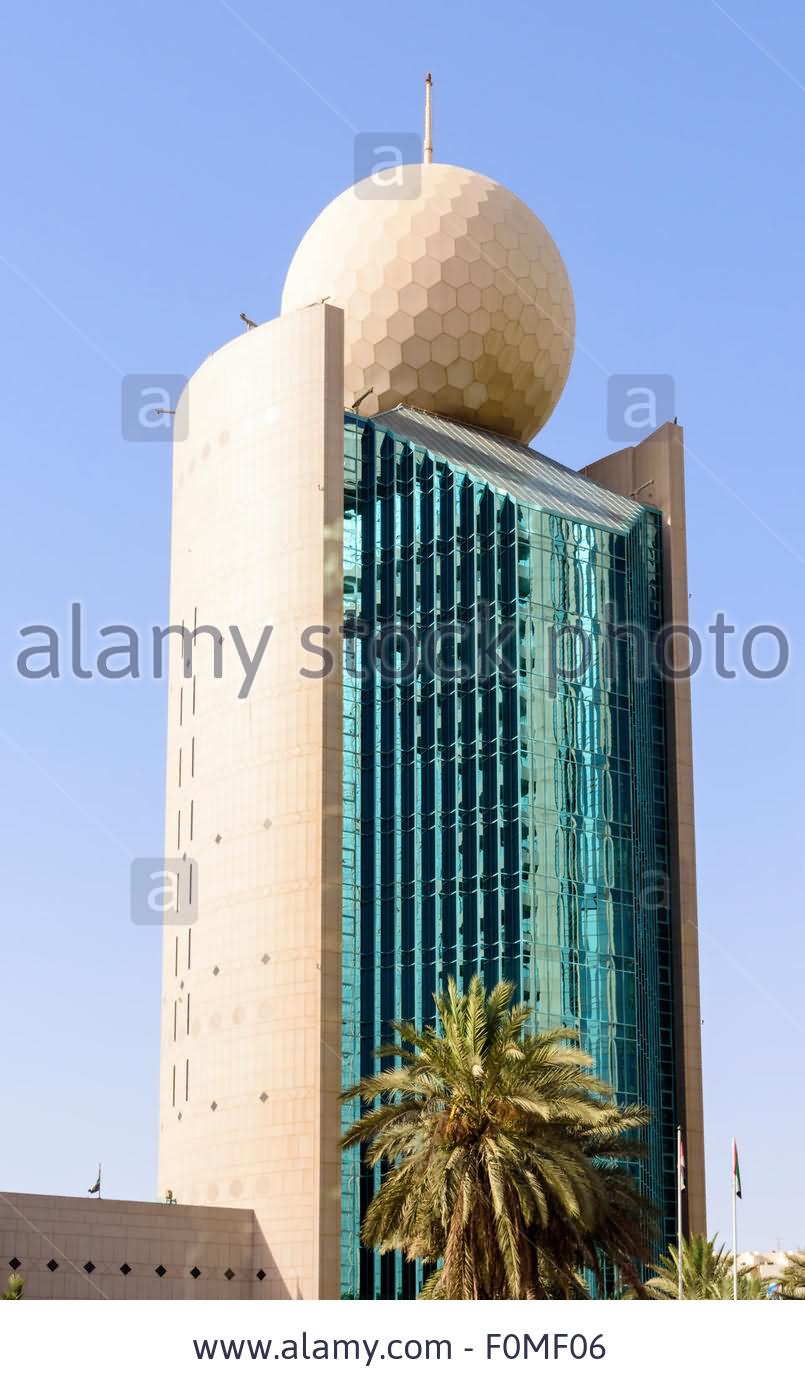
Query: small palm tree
[14, 1288]
[750, 1285]
[502, 1156]
[793, 1279]
[706, 1273]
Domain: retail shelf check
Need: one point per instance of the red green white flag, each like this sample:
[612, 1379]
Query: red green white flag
[736, 1170]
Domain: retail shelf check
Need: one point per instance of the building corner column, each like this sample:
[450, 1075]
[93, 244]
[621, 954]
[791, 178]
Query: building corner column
[653, 472]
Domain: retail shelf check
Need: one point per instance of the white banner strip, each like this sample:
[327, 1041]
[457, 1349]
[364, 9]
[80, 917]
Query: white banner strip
[293, 1344]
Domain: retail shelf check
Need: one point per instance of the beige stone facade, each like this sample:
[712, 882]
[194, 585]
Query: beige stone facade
[654, 472]
[81, 1247]
[250, 1058]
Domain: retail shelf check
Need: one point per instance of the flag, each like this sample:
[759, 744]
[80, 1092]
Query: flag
[96, 1187]
[736, 1170]
[681, 1163]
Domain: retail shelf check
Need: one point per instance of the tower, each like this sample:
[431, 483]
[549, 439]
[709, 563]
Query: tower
[503, 793]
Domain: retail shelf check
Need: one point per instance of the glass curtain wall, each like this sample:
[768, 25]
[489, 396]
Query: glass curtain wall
[505, 784]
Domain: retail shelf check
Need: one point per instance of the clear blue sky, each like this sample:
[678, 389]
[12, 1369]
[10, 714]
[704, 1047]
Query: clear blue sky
[160, 164]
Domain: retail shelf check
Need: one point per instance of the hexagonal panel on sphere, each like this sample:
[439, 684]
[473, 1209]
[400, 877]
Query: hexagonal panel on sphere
[456, 301]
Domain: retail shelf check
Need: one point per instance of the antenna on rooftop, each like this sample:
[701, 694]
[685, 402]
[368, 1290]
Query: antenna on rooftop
[428, 147]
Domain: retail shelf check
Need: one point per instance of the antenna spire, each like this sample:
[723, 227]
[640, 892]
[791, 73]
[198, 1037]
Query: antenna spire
[428, 147]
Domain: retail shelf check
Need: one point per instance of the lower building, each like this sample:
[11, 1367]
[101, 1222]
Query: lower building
[85, 1248]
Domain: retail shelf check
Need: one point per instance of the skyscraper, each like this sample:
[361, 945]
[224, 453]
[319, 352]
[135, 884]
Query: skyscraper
[452, 757]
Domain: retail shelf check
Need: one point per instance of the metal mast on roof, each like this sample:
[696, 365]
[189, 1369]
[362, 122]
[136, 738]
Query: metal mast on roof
[428, 146]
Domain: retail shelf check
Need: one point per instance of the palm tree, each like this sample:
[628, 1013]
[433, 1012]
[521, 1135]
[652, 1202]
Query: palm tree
[750, 1285]
[793, 1278]
[502, 1157]
[15, 1287]
[706, 1273]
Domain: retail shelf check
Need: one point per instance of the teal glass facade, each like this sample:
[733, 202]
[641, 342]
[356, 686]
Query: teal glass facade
[505, 780]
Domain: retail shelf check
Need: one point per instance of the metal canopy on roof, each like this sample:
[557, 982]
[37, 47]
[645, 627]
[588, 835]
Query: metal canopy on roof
[513, 468]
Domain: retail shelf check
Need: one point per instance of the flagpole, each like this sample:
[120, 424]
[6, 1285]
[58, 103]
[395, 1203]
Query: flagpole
[679, 1293]
[734, 1224]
